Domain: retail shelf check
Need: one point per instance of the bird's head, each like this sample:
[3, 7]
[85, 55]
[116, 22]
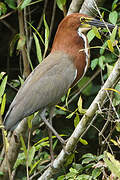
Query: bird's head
[86, 23]
[70, 38]
[71, 26]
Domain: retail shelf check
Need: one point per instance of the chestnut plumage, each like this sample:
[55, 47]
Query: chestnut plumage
[61, 69]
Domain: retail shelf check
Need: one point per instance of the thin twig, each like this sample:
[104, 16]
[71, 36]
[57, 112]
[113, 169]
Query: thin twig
[28, 148]
[6, 15]
[26, 71]
[52, 19]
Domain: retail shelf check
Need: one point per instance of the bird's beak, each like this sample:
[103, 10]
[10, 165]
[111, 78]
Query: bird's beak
[101, 24]
[95, 22]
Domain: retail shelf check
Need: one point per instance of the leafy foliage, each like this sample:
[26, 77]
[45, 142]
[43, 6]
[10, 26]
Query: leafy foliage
[103, 134]
[86, 170]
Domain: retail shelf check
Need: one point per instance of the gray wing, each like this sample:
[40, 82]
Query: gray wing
[44, 87]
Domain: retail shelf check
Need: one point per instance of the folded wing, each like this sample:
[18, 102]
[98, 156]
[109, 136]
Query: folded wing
[44, 87]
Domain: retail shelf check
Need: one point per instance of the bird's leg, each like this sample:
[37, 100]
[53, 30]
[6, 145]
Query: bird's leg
[50, 133]
[42, 115]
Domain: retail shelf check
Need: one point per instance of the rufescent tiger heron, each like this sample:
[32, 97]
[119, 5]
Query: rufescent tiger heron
[60, 70]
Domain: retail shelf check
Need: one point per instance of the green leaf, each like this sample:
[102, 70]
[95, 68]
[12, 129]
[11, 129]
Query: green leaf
[34, 166]
[103, 47]
[62, 108]
[2, 86]
[55, 144]
[41, 145]
[101, 62]
[94, 63]
[72, 174]
[80, 109]
[109, 43]
[11, 3]
[21, 80]
[1, 173]
[112, 163]
[61, 4]
[46, 140]
[78, 167]
[103, 13]
[21, 43]
[83, 141]
[25, 3]
[46, 34]
[68, 93]
[13, 42]
[70, 115]
[84, 177]
[80, 104]
[63, 98]
[96, 172]
[113, 16]
[20, 160]
[100, 157]
[114, 142]
[3, 8]
[118, 126]
[113, 35]
[114, 4]
[2, 74]
[23, 145]
[37, 33]
[61, 177]
[88, 160]
[29, 119]
[90, 35]
[3, 104]
[96, 32]
[38, 49]
[76, 120]
[88, 155]
[31, 155]
[42, 140]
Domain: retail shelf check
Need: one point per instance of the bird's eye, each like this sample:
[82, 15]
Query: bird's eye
[82, 19]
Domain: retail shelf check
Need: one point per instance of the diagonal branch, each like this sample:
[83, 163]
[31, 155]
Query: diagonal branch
[74, 138]
[88, 7]
[75, 6]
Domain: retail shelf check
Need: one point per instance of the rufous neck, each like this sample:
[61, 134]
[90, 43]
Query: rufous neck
[67, 41]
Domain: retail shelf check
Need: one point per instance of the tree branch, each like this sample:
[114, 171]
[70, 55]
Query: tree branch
[75, 6]
[26, 71]
[88, 7]
[74, 138]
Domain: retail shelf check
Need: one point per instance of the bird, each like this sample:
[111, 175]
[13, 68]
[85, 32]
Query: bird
[66, 64]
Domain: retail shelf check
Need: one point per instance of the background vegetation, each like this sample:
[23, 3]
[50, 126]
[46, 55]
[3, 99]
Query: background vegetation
[27, 31]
